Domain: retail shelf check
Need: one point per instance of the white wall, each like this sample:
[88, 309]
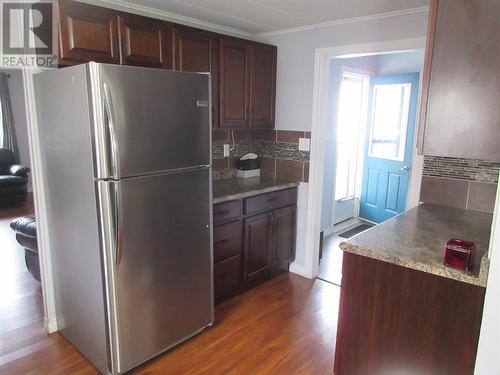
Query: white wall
[16, 90]
[396, 63]
[488, 360]
[295, 70]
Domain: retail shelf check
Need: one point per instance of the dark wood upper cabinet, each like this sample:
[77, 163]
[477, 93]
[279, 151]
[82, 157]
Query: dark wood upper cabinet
[460, 115]
[198, 51]
[145, 42]
[256, 247]
[247, 84]
[243, 72]
[284, 234]
[87, 33]
[234, 83]
[262, 85]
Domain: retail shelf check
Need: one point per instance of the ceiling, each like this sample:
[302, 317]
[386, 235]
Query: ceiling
[262, 16]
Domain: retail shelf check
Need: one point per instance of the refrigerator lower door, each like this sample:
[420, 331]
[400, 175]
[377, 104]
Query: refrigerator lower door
[161, 264]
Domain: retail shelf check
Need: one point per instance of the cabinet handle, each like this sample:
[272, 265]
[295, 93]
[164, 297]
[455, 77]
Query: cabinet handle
[116, 47]
[271, 227]
[269, 200]
[124, 47]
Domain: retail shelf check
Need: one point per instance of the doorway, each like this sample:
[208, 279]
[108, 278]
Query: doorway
[372, 101]
[388, 154]
[21, 299]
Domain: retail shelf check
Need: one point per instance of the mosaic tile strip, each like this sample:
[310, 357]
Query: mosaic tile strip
[280, 150]
[270, 149]
[241, 147]
[461, 169]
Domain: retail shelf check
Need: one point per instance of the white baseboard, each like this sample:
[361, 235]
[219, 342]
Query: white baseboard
[343, 227]
[50, 325]
[328, 231]
[299, 270]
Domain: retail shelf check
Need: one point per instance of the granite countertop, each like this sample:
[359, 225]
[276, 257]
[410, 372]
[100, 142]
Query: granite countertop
[415, 239]
[236, 188]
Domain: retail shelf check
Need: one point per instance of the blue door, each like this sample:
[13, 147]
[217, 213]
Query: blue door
[389, 145]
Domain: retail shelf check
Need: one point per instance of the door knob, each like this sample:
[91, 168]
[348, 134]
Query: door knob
[406, 168]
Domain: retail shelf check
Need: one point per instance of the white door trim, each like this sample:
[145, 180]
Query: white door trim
[39, 195]
[320, 94]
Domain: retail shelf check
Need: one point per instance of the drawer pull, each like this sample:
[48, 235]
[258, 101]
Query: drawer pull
[273, 199]
[223, 212]
[220, 242]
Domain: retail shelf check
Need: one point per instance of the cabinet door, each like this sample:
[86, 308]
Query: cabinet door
[284, 234]
[145, 41]
[88, 33]
[463, 115]
[257, 245]
[262, 85]
[198, 51]
[234, 83]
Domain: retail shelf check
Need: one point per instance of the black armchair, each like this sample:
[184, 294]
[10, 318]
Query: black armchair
[13, 179]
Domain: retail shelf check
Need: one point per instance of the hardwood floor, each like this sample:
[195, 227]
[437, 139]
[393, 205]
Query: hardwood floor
[284, 326]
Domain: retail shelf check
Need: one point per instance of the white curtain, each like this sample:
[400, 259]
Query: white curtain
[7, 131]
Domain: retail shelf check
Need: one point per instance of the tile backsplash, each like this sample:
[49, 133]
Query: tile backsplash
[461, 169]
[463, 183]
[277, 149]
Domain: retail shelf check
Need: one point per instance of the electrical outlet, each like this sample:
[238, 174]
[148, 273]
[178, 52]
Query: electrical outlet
[226, 150]
[304, 144]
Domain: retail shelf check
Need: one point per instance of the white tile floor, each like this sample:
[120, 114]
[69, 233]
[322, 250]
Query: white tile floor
[330, 267]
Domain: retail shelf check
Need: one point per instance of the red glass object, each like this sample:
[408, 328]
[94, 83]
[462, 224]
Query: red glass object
[459, 254]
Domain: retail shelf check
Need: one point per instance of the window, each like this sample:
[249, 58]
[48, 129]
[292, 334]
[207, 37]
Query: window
[389, 121]
[352, 96]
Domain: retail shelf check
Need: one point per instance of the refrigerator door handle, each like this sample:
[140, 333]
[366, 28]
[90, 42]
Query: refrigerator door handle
[116, 223]
[112, 144]
[109, 211]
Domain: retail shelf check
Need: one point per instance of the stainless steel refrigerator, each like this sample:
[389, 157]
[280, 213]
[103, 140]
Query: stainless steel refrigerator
[127, 183]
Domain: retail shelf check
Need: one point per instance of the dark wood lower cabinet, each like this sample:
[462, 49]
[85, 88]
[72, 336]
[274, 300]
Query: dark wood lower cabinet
[250, 248]
[396, 320]
[258, 237]
[284, 235]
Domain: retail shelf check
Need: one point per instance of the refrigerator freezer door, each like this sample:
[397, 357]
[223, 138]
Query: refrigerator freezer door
[149, 120]
[162, 262]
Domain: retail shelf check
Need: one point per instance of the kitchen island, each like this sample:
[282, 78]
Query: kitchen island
[401, 310]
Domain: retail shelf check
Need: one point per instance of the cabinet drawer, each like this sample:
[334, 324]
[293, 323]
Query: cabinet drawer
[227, 277]
[226, 211]
[270, 201]
[227, 240]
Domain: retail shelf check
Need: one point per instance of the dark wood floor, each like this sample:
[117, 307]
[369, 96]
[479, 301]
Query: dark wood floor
[284, 326]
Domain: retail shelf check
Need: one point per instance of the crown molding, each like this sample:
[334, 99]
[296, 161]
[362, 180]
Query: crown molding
[126, 6]
[129, 7]
[345, 21]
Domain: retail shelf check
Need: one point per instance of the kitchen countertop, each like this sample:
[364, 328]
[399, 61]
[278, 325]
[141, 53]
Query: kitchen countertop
[415, 239]
[236, 188]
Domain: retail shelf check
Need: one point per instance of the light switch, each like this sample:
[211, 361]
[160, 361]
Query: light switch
[304, 144]
[226, 150]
